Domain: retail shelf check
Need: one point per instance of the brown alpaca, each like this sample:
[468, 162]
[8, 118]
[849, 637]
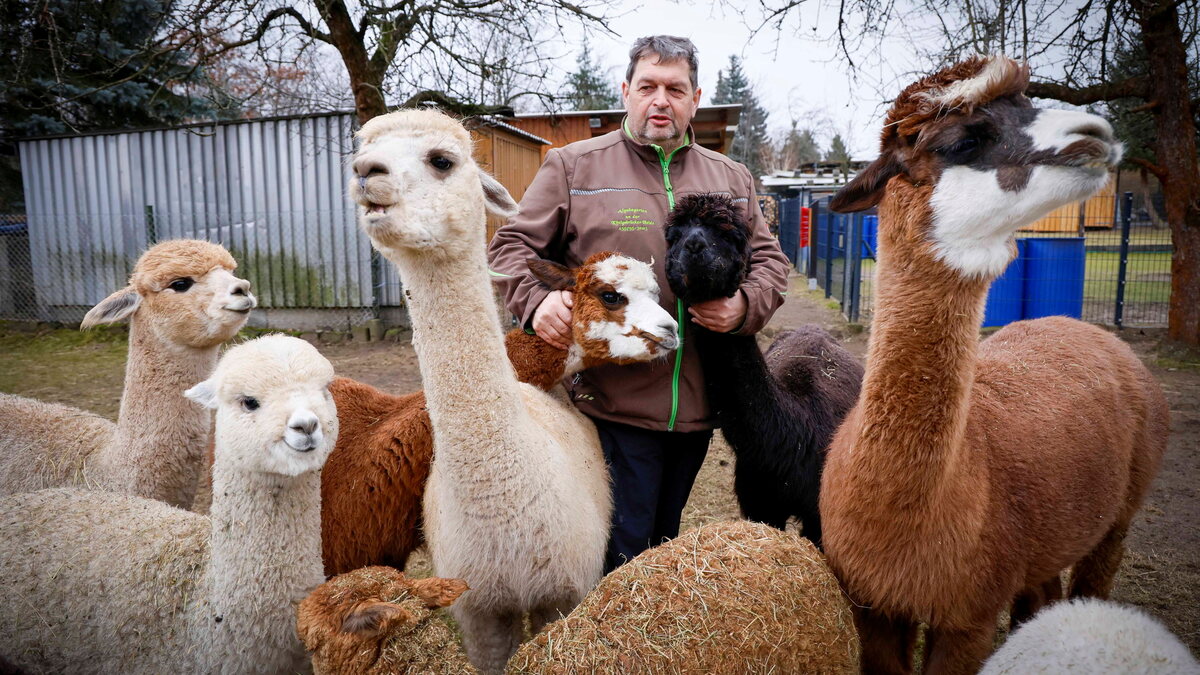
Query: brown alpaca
[969, 475]
[372, 485]
[375, 620]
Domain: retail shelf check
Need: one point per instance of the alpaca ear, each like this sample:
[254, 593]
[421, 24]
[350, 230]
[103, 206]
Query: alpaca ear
[373, 618]
[204, 393]
[496, 196]
[557, 277]
[437, 592]
[113, 308]
[867, 187]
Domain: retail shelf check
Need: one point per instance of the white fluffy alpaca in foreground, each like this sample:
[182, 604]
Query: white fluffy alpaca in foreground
[109, 583]
[183, 301]
[517, 502]
[1095, 637]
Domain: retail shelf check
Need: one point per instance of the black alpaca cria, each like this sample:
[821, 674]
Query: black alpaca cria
[778, 413]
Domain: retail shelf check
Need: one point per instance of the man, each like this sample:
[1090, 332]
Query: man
[613, 192]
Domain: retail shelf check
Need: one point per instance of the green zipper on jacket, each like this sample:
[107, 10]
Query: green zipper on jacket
[664, 160]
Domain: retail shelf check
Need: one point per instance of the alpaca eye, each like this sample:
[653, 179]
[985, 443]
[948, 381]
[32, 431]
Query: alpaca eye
[961, 150]
[440, 163]
[249, 403]
[181, 285]
[612, 298]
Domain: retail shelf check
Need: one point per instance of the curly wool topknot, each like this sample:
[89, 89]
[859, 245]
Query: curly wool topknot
[413, 122]
[164, 262]
[962, 87]
[708, 208]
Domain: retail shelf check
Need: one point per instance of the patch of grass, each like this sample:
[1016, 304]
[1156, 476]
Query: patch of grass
[1147, 278]
[84, 369]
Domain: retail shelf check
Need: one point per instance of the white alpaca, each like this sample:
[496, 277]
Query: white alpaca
[183, 302]
[517, 503]
[109, 583]
[1095, 637]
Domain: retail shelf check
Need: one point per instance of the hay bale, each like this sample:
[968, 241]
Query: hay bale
[375, 620]
[734, 597]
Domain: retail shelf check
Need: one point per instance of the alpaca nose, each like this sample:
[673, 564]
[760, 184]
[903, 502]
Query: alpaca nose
[304, 424]
[240, 287]
[694, 245]
[1096, 127]
[368, 166]
[303, 432]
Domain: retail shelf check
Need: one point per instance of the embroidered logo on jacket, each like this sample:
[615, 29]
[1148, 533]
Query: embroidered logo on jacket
[632, 220]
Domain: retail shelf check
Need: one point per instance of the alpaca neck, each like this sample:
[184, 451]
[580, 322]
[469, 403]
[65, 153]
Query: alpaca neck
[161, 435]
[921, 367]
[265, 557]
[470, 387]
[740, 386]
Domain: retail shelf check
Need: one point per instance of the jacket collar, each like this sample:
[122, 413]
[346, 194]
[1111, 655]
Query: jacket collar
[650, 151]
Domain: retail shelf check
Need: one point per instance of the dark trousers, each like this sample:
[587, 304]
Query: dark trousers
[652, 474]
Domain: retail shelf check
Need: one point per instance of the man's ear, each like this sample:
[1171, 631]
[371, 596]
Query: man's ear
[113, 308]
[867, 187]
[496, 196]
[557, 277]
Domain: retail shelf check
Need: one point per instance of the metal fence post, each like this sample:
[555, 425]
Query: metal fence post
[814, 248]
[854, 267]
[1126, 218]
[151, 227]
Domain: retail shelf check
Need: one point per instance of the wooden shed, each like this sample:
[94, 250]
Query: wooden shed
[715, 125]
[509, 153]
[1097, 212]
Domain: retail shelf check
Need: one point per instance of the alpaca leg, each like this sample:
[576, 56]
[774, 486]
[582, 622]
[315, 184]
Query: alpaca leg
[1093, 576]
[549, 612]
[954, 652]
[490, 638]
[887, 644]
[1030, 600]
[755, 502]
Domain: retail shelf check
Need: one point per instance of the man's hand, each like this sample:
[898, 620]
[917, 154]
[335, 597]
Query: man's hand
[721, 315]
[552, 319]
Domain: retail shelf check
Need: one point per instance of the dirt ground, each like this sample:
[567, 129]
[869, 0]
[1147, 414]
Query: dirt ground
[1161, 570]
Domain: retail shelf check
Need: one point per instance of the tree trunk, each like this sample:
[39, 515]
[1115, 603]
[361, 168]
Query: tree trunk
[365, 80]
[1175, 150]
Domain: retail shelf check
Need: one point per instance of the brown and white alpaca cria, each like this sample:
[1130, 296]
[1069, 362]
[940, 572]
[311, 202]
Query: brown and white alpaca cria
[517, 502]
[377, 621]
[969, 475]
[371, 488]
[182, 301]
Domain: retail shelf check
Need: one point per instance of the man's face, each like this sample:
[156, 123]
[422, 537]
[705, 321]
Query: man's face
[660, 100]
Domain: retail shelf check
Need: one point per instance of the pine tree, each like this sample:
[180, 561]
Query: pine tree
[588, 88]
[838, 153]
[800, 147]
[751, 141]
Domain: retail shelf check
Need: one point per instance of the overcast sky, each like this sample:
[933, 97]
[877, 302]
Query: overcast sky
[794, 71]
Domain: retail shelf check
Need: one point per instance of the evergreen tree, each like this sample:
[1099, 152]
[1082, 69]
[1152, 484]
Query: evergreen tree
[838, 153]
[751, 142]
[800, 147]
[588, 88]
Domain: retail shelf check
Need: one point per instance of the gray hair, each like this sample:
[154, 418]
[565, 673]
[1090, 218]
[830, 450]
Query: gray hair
[667, 48]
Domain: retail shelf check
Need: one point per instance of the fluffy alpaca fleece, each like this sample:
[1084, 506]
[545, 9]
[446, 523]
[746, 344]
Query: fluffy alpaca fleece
[156, 447]
[376, 621]
[1095, 637]
[723, 598]
[371, 489]
[969, 475]
[517, 503]
[778, 413]
[98, 582]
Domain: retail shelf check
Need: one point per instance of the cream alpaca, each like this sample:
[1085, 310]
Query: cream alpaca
[110, 583]
[183, 302]
[517, 502]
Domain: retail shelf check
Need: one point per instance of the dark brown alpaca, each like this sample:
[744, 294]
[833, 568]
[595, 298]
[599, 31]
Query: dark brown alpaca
[969, 475]
[374, 481]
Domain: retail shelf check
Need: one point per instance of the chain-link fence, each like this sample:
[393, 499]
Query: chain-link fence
[308, 269]
[1107, 261]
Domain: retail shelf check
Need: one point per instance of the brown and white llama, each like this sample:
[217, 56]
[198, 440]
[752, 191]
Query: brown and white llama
[183, 301]
[969, 475]
[372, 486]
[517, 502]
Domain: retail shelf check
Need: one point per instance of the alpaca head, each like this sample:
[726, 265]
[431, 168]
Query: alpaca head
[708, 248]
[616, 317]
[185, 291]
[994, 162]
[418, 187]
[274, 410]
[349, 621]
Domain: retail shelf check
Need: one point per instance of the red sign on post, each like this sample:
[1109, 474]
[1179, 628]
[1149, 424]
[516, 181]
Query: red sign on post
[805, 219]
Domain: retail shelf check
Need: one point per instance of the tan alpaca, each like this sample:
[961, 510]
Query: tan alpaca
[517, 502]
[372, 487]
[182, 301]
[970, 475]
[98, 582]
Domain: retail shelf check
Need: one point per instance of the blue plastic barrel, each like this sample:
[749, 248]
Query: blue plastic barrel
[1054, 277]
[870, 236]
[1006, 296]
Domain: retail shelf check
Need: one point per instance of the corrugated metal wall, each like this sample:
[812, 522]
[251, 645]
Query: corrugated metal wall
[272, 191]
